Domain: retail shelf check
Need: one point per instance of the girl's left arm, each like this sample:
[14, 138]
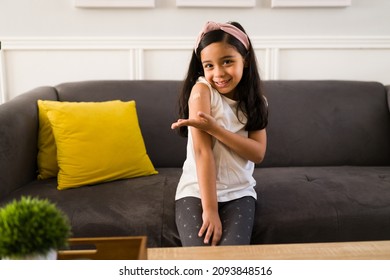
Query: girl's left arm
[251, 148]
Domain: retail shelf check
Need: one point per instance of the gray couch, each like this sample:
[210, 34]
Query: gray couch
[326, 175]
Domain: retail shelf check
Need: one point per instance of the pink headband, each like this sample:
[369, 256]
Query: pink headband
[226, 27]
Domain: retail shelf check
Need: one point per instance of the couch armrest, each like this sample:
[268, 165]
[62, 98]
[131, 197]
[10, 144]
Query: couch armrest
[18, 138]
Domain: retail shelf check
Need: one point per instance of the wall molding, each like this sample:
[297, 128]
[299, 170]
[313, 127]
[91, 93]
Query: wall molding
[3, 96]
[216, 3]
[114, 43]
[137, 47]
[310, 3]
[114, 3]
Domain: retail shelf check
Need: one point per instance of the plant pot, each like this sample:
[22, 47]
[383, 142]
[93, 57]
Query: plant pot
[51, 255]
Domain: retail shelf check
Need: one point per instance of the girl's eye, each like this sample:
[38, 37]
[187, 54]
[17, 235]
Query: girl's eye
[206, 66]
[227, 61]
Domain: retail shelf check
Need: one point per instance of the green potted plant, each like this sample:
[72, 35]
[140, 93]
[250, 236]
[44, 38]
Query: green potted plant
[31, 228]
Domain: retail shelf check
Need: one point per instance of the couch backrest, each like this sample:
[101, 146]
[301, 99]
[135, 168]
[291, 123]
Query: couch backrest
[319, 123]
[311, 123]
[156, 103]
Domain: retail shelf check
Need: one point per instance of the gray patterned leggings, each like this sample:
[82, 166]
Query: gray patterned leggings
[236, 216]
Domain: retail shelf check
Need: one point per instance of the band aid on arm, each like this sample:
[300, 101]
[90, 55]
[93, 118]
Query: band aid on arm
[194, 96]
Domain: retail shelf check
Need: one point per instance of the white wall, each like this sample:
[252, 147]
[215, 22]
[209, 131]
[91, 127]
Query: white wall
[46, 42]
[23, 18]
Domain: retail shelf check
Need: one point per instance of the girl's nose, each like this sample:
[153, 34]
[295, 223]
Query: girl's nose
[219, 72]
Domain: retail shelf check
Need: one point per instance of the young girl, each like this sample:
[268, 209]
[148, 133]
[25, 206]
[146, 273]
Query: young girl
[222, 104]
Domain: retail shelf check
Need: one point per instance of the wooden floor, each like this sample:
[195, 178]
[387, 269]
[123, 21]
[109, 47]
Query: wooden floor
[370, 250]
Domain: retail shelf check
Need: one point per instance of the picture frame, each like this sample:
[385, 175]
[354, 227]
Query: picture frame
[310, 3]
[216, 3]
[114, 3]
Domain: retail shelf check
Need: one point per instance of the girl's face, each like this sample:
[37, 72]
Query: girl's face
[223, 67]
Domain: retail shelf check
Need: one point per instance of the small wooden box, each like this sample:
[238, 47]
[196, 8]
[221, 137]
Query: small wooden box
[105, 248]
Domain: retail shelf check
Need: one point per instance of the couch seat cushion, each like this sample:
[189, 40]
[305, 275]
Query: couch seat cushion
[318, 204]
[130, 207]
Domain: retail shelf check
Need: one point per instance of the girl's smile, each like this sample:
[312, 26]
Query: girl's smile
[223, 66]
[222, 83]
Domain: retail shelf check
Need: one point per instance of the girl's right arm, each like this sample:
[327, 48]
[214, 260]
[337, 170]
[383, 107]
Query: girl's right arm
[205, 166]
[251, 148]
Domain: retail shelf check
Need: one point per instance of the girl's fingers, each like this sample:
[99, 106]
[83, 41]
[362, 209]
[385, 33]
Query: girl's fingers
[177, 124]
[209, 233]
[216, 237]
[203, 115]
[202, 230]
[208, 229]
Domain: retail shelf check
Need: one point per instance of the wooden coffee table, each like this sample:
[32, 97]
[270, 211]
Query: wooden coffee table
[370, 250]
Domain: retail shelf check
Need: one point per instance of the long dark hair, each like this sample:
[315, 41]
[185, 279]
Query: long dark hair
[249, 91]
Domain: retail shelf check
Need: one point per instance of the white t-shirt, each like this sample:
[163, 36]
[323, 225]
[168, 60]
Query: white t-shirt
[234, 173]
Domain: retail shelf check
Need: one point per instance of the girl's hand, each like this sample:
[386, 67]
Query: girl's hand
[204, 122]
[211, 227]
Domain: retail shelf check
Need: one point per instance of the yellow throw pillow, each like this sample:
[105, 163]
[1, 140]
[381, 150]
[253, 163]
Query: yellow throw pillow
[47, 150]
[97, 142]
